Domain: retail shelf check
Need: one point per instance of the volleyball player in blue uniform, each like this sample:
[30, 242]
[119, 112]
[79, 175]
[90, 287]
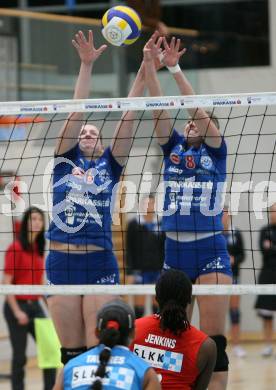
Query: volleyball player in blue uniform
[84, 177]
[195, 173]
[110, 365]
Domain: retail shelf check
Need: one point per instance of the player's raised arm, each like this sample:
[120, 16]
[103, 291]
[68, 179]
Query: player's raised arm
[205, 125]
[162, 121]
[68, 136]
[123, 135]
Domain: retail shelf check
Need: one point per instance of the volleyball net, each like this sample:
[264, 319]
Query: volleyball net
[28, 133]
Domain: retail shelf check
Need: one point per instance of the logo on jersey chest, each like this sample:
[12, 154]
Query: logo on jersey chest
[81, 174]
[206, 162]
[176, 154]
[175, 158]
[89, 178]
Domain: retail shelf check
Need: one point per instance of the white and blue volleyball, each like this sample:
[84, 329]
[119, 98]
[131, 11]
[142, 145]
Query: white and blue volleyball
[121, 25]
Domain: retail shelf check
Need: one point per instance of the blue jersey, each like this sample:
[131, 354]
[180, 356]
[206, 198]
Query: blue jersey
[123, 371]
[83, 198]
[194, 186]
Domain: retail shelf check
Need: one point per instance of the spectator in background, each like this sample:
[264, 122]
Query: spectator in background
[266, 304]
[144, 250]
[235, 249]
[24, 264]
[151, 14]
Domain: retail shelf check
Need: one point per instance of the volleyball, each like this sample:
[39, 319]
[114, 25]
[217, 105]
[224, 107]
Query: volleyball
[121, 25]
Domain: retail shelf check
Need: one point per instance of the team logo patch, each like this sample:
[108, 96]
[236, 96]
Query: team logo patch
[89, 178]
[175, 158]
[78, 172]
[206, 162]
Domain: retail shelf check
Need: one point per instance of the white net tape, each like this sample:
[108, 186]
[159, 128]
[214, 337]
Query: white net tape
[136, 104]
[146, 289]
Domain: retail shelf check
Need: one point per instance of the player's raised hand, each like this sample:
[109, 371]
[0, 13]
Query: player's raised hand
[172, 52]
[85, 47]
[149, 47]
[152, 49]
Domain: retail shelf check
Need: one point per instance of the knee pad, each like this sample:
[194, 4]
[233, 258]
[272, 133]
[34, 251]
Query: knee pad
[70, 353]
[222, 358]
[235, 316]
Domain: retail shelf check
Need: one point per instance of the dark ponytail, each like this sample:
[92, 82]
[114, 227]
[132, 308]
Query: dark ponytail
[173, 316]
[115, 322]
[173, 294]
[109, 337]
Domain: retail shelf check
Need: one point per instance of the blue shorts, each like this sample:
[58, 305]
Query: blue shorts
[146, 277]
[89, 268]
[199, 257]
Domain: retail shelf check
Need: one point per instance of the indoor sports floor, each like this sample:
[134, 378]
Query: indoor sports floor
[252, 372]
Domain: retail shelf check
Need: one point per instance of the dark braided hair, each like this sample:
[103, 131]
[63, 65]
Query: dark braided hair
[115, 322]
[173, 294]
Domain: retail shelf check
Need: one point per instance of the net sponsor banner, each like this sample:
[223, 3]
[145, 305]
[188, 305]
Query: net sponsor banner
[137, 104]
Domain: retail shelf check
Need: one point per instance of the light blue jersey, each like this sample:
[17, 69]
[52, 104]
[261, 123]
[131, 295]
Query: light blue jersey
[82, 198]
[195, 180]
[124, 370]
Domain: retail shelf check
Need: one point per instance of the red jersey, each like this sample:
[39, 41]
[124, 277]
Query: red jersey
[25, 267]
[174, 357]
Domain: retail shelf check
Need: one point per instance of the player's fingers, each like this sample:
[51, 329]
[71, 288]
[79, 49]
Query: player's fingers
[163, 52]
[159, 43]
[166, 46]
[182, 52]
[177, 46]
[147, 43]
[154, 36]
[74, 43]
[101, 49]
[78, 39]
[90, 37]
[150, 44]
[82, 36]
[172, 45]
